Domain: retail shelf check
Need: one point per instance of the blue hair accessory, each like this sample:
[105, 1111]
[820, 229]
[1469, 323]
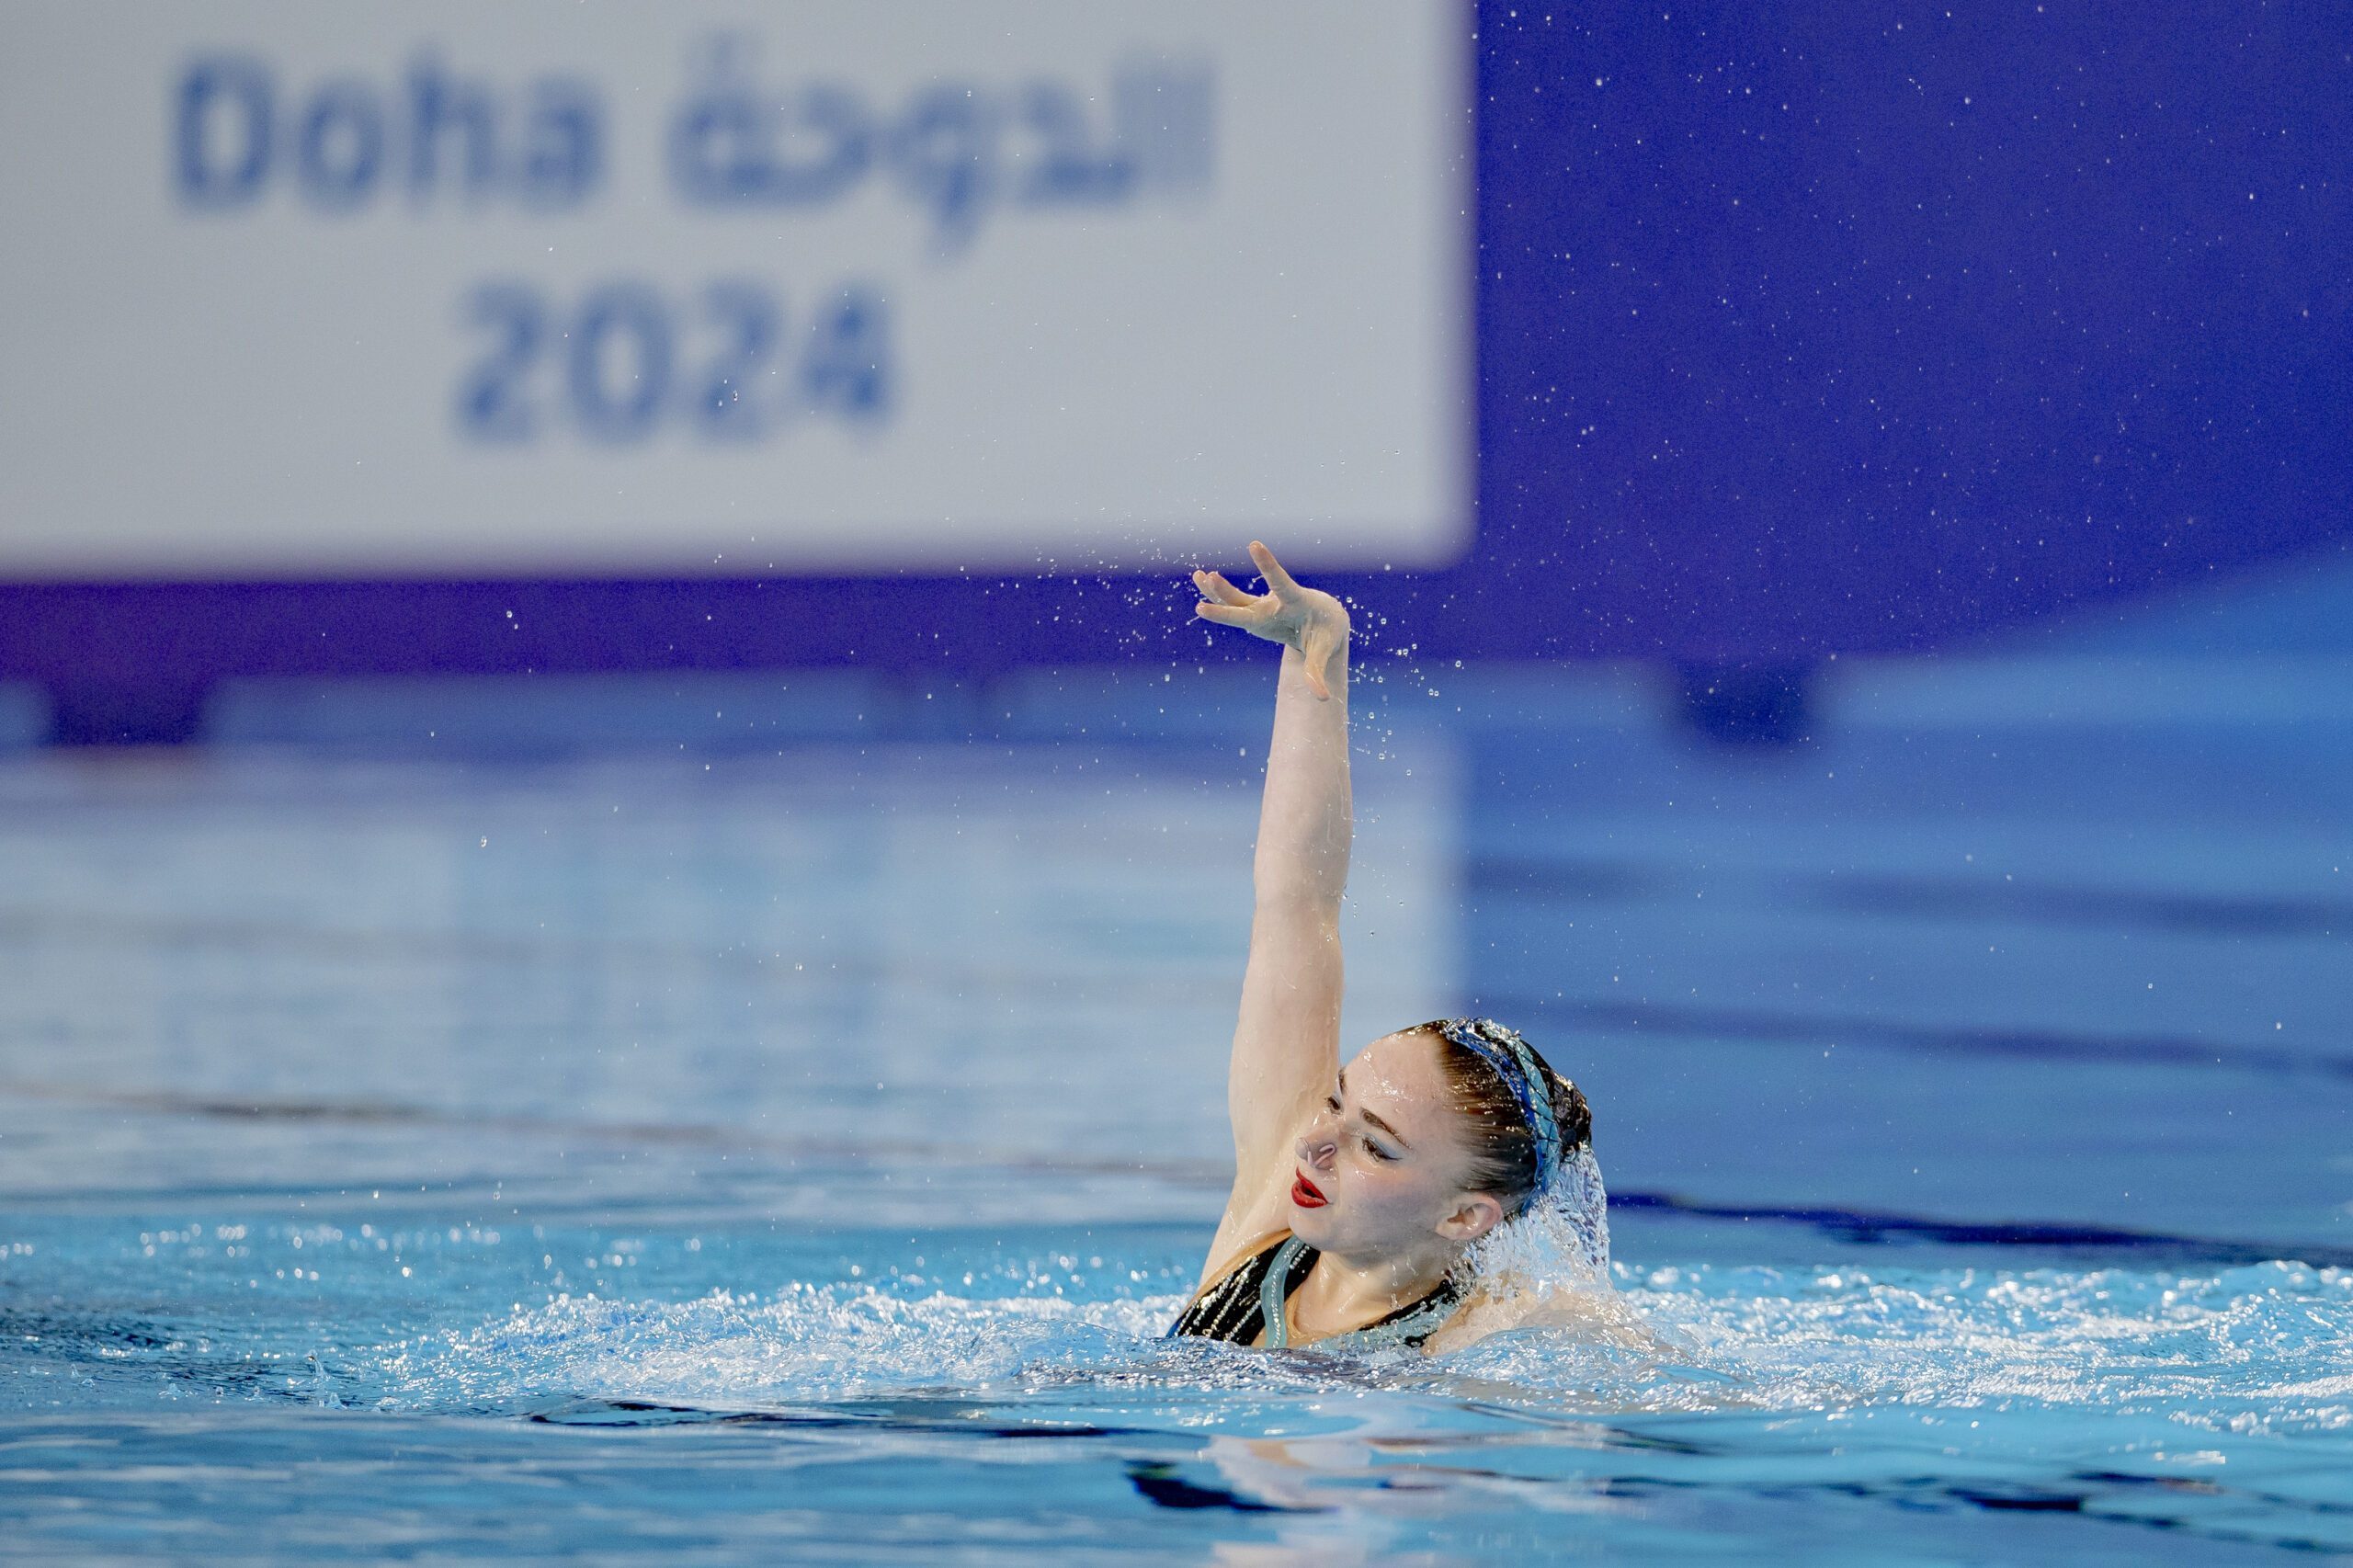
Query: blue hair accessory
[1514, 1063]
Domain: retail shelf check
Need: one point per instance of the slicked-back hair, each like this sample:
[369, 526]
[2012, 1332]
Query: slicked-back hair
[1502, 1148]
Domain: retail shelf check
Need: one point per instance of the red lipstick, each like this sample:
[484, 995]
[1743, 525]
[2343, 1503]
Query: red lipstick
[1306, 1194]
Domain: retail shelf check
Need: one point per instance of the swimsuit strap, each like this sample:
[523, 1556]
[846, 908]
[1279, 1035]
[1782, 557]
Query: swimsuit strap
[1231, 1308]
[1274, 1293]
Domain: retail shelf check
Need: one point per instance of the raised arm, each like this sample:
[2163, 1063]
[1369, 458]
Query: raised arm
[1287, 1042]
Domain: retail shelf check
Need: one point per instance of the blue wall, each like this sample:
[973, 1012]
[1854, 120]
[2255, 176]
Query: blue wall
[1801, 334]
[1795, 334]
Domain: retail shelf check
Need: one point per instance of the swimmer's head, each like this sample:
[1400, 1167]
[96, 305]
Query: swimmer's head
[1421, 1148]
[1521, 1125]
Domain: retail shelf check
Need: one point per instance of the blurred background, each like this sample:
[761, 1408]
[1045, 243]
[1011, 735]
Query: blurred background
[519, 537]
[592, 604]
[437, 341]
[1851, 522]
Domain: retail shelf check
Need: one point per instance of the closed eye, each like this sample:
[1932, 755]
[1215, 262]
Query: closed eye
[1376, 1150]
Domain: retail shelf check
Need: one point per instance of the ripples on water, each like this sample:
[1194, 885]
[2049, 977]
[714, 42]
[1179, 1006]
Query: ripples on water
[2218, 1402]
[2255, 1349]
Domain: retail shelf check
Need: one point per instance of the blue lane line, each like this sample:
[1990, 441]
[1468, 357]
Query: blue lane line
[2039, 1045]
[1864, 1225]
[1925, 897]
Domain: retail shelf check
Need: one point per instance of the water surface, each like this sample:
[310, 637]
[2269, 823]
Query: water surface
[795, 1140]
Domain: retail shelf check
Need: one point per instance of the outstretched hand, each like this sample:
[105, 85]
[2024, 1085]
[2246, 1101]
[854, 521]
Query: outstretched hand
[1306, 618]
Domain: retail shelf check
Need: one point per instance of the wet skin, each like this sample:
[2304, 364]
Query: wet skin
[1381, 1170]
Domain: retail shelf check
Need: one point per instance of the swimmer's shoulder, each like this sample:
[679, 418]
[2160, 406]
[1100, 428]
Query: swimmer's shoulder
[1254, 1217]
[1220, 1263]
[1455, 1333]
[1601, 1316]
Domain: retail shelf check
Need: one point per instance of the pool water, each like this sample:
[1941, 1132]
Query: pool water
[738, 1115]
[1007, 1394]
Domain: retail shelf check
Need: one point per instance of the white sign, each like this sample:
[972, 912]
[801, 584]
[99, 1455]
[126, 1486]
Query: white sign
[297, 289]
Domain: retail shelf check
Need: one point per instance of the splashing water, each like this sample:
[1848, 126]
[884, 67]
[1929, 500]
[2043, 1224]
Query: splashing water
[1551, 1264]
[2241, 1351]
[1560, 1241]
[2219, 1397]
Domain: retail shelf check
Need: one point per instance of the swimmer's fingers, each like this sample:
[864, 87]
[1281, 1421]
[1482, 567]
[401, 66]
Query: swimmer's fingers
[1272, 571]
[1213, 585]
[1229, 606]
[1250, 617]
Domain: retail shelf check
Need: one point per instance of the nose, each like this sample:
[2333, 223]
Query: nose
[1320, 1146]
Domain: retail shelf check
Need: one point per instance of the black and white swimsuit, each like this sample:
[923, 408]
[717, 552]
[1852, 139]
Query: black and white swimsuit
[1253, 1297]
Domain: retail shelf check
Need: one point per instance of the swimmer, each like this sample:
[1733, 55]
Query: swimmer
[1357, 1192]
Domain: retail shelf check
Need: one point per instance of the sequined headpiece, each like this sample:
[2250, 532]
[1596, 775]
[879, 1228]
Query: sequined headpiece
[1509, 1055]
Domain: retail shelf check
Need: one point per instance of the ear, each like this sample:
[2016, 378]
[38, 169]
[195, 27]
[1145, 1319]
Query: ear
[1472, 1216]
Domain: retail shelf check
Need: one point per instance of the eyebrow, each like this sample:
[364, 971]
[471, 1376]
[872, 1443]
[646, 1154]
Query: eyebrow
[1374, 1119]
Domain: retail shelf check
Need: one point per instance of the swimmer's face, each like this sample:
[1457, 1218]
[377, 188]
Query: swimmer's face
[1384, 1155]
